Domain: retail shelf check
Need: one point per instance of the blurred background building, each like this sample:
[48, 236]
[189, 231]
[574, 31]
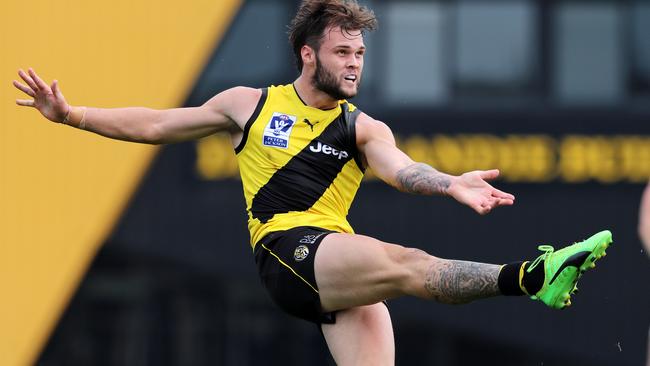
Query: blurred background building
[554, 93]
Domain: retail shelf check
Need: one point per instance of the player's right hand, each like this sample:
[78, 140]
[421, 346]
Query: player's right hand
[47, 99]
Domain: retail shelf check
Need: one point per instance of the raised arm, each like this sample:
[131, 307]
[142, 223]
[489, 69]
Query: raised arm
[227, 111]
[377, 145]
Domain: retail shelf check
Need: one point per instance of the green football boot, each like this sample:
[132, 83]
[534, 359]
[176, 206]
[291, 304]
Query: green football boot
[563, 268]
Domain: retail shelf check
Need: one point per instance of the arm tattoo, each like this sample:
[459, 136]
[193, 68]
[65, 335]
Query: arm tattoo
[422, 179]
[458, 282]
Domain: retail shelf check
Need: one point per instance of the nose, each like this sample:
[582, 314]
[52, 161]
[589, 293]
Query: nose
[354, 61]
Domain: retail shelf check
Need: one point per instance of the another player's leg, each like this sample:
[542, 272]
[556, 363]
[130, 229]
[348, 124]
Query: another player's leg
[361, 336]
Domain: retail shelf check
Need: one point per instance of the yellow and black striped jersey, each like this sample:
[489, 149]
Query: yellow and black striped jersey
[299, 165]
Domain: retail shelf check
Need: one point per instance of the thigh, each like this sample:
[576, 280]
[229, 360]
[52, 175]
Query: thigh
[361, 336]
[354, 270]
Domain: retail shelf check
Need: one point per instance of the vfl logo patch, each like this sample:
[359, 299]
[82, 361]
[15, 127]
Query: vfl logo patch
[300, 253]
[277, 131]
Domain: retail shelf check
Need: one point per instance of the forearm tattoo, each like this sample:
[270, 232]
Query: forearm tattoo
[420, 178]
[458, 282]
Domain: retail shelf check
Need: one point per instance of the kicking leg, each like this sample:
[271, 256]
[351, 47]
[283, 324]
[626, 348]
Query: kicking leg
[354, 270]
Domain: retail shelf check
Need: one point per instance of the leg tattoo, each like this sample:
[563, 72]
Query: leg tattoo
[458, 282]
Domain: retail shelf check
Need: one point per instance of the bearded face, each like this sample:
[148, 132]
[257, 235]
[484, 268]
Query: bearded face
[329, 83]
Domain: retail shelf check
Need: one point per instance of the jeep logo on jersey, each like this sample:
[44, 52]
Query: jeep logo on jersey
[328, 150]
[277, 131]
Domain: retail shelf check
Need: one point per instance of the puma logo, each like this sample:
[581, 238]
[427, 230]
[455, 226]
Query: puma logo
[310, 124]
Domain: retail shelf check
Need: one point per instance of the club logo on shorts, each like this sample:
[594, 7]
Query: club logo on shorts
[300, 253]
[277, 131]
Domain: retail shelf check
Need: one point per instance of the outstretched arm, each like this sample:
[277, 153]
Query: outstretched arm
[225, 111]
[377, 144]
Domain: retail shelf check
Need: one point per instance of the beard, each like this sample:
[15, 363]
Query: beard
[325, 81]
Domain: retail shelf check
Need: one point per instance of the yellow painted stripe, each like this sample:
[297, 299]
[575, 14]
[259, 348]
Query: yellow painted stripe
[288, 266]
[62, 190]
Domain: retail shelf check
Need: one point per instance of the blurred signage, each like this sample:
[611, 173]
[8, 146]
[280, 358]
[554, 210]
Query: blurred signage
[521, 158]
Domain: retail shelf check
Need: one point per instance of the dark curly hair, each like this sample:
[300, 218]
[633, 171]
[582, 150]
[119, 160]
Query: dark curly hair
[314, 16]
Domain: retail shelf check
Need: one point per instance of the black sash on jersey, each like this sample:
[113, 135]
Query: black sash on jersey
[303, 180]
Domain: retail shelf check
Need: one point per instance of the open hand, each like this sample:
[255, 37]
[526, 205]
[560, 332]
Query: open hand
[47, 99]
[473, 190]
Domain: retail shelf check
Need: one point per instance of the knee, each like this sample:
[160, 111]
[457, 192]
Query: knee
[369, 315]
[411, 266]
[412, 258]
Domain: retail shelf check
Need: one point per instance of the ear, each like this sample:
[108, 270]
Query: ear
[308, 55]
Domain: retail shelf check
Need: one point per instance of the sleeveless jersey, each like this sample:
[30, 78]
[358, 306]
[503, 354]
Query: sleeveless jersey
[299, 165]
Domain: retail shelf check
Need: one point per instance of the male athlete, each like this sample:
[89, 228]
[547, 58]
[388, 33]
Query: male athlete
[302, 151]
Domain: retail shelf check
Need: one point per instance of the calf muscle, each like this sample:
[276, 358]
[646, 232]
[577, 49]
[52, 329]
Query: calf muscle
[458, 282]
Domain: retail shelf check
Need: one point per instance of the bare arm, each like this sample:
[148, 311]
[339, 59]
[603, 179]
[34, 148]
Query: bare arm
[377, 144]
[225, 111]
[644, 219]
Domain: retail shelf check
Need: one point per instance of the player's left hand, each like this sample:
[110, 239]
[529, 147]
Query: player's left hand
[473, 190]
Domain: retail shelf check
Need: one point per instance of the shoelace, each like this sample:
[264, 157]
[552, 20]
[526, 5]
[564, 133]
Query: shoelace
[547, 249]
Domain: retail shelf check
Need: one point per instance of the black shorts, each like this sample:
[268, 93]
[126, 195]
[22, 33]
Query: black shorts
[285, 261]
